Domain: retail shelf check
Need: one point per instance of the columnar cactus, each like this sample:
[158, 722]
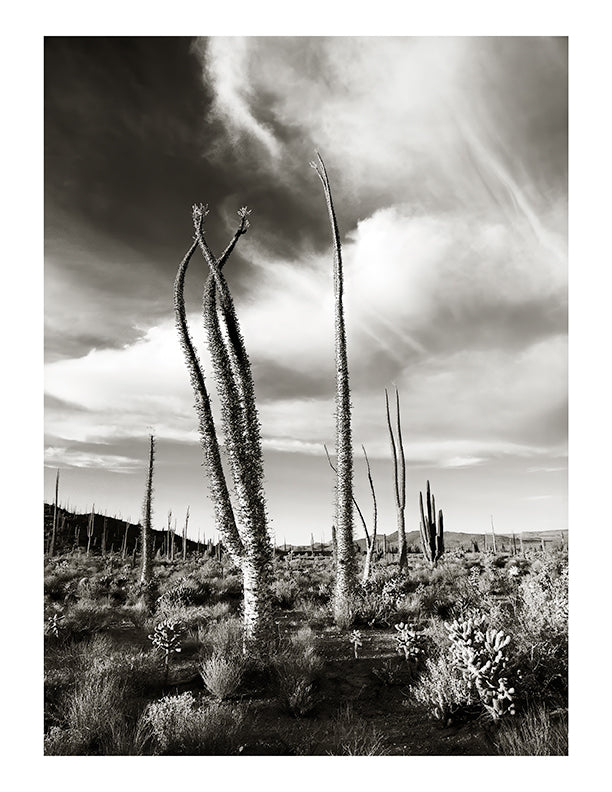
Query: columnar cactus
[244, 531]
[346, 566]
[432, 529]
[399, 472]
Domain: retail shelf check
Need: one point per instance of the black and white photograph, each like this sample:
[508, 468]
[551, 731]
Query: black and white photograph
[305, 395]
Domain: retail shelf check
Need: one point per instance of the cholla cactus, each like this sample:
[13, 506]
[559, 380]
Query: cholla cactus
[479, 653]
[408, 642]
[355, 639]
[167, 638]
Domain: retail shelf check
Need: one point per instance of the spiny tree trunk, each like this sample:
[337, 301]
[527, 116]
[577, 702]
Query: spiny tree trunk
[90, 527]
[185, 535]
[146, 540]
[55, 515]
[399, 471]
[104, 528]
[346, 566]
[370, 540]
[246, 538]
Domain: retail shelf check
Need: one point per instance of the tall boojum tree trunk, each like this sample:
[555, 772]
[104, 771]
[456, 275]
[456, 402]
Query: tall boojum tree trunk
[244, 531]
[399, 472]
[55, 516]
[146, 534]
[370, 540]
[346, 566]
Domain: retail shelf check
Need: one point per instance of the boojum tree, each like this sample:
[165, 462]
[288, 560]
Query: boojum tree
[243, 526]
[399, 475]
[370, 538]
[346, 565]
[55, 516]
[146, 533]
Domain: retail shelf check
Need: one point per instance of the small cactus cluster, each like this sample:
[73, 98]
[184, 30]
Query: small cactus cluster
[394, 590]
[480, 654]
[356, 640]
[53, 626]
[408, 642]
[167, 638]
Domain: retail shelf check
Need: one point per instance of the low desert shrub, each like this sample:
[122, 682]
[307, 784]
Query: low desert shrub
[445, 694]
[177, 725]
[284, 594]
[87, 617]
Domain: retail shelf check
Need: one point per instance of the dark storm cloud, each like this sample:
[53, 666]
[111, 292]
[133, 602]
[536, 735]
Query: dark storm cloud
[128, 148]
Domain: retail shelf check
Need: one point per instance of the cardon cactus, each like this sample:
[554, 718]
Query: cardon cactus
[432, 529]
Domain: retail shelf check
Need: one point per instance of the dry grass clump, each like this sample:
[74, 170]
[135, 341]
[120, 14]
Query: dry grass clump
[222, 675]
[296, 668]
[92, 714]
[352, 735]
[539, 732]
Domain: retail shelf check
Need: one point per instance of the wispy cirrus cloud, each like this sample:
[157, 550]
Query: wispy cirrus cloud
[57, 456]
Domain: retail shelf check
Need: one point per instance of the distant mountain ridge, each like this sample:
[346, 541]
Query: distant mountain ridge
[73, 525]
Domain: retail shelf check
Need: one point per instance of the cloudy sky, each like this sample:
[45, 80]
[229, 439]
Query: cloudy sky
[448, 164]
